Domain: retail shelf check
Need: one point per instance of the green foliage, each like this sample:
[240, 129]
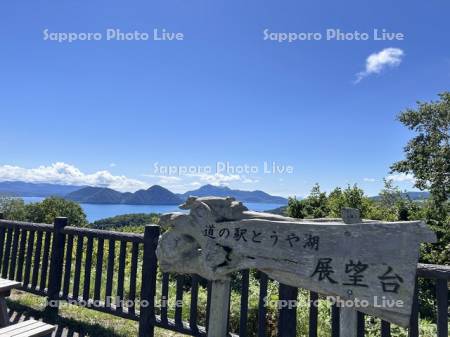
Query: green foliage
[352, 197]
[316, 203]
[43, 212]
[127, 220]
[295, 208]
[427, 154]
[13, 208]
[314, 206]
[50, 208]
[319, 205]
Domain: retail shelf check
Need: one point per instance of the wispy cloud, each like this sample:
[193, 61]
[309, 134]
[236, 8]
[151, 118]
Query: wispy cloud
[164, 180]
[400, 177]
[377, 62]
[369, 180]
[66, 174]
[250, 181]
[217, 178]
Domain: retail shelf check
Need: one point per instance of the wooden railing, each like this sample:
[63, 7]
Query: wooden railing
[87, 267]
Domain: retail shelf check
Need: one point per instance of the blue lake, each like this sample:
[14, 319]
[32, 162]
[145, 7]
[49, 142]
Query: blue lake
[99, 211]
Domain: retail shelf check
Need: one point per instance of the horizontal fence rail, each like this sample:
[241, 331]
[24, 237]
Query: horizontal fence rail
[117, 273]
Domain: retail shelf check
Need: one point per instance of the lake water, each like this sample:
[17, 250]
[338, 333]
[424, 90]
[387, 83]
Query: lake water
[100, 211]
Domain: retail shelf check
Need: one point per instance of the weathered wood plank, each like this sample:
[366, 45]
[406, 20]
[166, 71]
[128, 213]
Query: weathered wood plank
[218, 313]
[219, 237]
[433, 271]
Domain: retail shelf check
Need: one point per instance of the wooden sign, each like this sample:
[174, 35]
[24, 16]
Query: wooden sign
[372, 263]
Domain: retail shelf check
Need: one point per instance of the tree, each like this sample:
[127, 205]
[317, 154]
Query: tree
[317, 203]
[13, 208]
[296, 208]
[314, 206]
[50, 208]
[428, 154]
[352, 197]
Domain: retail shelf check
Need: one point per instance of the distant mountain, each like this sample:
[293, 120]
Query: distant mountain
[155, 195]
[413, 195]
[96, 195]
[244, 196]
[24, 189]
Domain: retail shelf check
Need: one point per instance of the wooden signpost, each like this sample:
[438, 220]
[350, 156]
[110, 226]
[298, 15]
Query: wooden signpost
[373, 264]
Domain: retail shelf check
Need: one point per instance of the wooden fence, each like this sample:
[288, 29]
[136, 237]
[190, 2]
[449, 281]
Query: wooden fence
[87, 267]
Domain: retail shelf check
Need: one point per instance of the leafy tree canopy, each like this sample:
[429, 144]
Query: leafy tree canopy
[428, 153]
[43, 212]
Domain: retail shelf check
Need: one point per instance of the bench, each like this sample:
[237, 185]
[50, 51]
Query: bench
[29, 328]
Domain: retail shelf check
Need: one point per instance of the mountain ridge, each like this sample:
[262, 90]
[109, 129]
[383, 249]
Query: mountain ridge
[25, 189]
[154, 195]
[256, 196]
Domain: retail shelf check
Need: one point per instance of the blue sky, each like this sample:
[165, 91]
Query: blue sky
[105, 112]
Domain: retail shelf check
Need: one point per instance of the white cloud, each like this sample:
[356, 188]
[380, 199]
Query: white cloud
[377, 62]
[66, 174]
[112, 165]
[250, 181]
[370, 180]
[217, 178]
[164, 180]
[401, 177]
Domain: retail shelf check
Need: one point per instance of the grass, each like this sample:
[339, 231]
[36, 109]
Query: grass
[78, 319]
[93, 323]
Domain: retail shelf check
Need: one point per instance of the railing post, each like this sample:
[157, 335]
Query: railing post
[287, 322]
[442, 300]
[56, 266]
[348, 324]
[148, 288]
[413, 330]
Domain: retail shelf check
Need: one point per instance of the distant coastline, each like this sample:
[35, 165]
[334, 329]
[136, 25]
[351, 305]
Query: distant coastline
[154, 195]
[97, 211]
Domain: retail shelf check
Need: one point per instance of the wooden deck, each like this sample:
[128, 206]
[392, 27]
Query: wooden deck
[61, 331]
